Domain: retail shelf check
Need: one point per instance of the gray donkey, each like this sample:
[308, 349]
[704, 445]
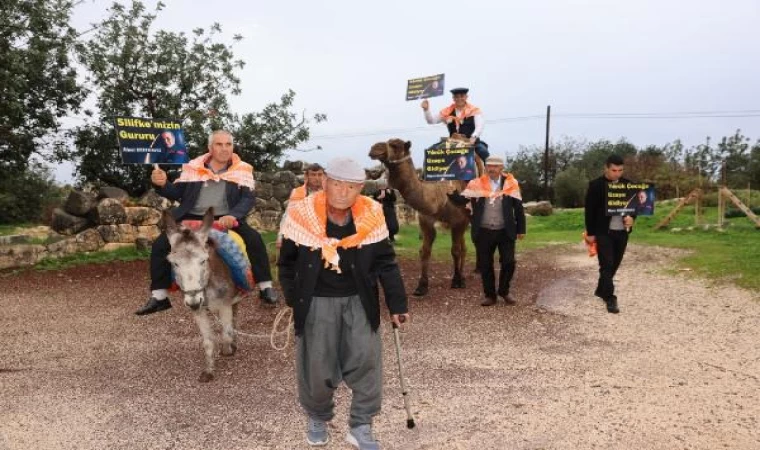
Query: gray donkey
[206, 285]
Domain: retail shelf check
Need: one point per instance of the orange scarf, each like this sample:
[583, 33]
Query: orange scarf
[481, 187]
[467, 111]
[306, 224]
[240, 173]
[298, 193]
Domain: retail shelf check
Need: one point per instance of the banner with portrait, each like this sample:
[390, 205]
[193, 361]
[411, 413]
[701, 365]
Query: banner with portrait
[425, 87]
[151, 141]
[624, 199]
[449, 160]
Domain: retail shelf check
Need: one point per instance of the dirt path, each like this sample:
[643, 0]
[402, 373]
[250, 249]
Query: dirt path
[678, 368]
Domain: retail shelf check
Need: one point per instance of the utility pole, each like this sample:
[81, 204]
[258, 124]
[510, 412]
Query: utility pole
[546, 154]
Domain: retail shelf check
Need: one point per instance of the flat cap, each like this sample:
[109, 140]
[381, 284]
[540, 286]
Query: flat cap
[495, 161]
[345, 169]
[459, 90]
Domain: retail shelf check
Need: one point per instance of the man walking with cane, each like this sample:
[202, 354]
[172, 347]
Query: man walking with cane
[334, 251]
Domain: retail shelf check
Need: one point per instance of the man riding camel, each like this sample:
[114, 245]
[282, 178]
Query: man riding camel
[461, 118]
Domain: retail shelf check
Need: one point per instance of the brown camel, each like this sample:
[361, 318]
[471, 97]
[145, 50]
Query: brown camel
[432, 204]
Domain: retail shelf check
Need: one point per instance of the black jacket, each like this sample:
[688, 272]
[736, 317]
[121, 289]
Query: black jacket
[597, 220]
[512, 209]
[240, 199]
[299, 268]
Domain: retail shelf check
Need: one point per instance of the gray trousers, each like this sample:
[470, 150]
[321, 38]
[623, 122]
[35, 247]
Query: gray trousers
[337, 345]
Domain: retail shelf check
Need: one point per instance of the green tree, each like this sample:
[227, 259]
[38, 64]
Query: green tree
[262, 137]
[136, 72]
[570, 188]
[527, 168]
[37, 82]
[28, 196]
[734, 151]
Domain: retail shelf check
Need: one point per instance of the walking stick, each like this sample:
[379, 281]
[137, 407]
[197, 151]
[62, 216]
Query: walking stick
[404, 393]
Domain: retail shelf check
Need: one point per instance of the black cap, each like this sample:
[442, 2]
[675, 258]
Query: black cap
[456, 91]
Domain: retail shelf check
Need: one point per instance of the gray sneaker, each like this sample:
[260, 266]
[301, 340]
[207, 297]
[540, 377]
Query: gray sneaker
[316, 433]
[361, 438]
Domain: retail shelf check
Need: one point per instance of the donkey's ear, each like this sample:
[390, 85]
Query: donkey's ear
[208, 220]
[170, 225]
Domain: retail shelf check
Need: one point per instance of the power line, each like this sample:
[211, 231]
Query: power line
[748, 113]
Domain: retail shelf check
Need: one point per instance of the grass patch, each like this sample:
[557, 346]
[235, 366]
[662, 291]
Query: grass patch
[6, 229]
[101, 257]
[733, 254]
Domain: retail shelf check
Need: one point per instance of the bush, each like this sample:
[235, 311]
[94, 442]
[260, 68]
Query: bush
[711, 198]
[570, 188]
[731, 213]
[27, 197]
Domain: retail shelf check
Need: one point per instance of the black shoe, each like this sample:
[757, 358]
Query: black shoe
[612, 306]
[154, 306]
[268, 295]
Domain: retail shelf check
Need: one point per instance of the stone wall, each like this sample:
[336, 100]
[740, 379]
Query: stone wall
[107, 219]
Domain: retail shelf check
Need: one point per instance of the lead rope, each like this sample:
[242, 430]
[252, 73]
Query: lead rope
[287, 330]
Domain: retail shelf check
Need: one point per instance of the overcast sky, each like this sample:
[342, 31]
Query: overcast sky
[351, 60]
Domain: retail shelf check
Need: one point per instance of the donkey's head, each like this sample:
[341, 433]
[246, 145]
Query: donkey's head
[189, 257]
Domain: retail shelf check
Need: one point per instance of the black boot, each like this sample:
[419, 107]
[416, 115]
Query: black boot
[154, 306]
[612, 306]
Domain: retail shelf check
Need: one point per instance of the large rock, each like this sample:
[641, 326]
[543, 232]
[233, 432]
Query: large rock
[68, 224]
[118, 233]
[141, 215]
[113, 193]
[542, 208]
[297, 167]
[149, 233]
[80, 203]
[109, 211]
[65, 247]
[264, 177]
[264, 190]
[13, 256]
[151, 199]
[89, 240]
[282, 192]
[286, 178]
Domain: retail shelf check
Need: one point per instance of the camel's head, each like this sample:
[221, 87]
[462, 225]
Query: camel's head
[391, 151]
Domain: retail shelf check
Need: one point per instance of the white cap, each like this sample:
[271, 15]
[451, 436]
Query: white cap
[345, 169]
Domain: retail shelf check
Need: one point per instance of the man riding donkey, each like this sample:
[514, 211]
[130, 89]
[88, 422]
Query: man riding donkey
[219, 180]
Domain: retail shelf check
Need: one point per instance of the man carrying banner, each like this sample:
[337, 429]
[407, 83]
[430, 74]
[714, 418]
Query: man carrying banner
[498, 220]
[335, 250]
[609, 232]
[218, 179]
[461, 118]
